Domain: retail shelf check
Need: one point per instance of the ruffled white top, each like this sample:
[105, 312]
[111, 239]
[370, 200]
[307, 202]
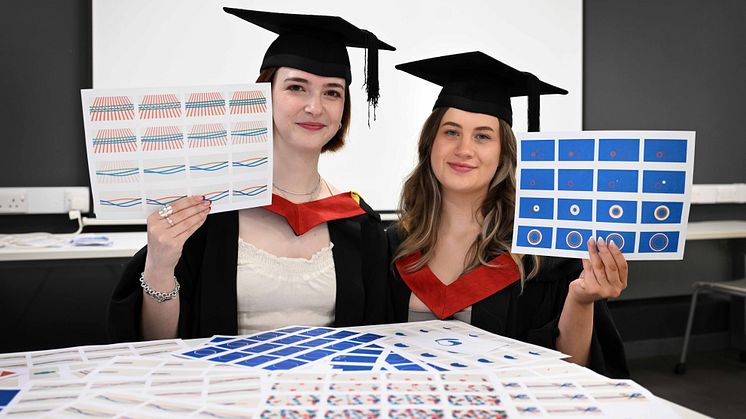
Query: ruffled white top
[276, 291]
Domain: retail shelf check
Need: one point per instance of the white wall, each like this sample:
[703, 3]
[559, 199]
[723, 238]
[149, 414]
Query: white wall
[140, 43]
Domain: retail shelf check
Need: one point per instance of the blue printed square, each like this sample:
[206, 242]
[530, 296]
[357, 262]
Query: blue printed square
[669, 151]
[237, 344]
[529, 236]
[287, 364]
[577, 150]
[314, 355]
[409, 367]
[537, 179]
[341, 346]
[230, 356]
[315, 342]
[360, 359]
[575, 180]
[317, 331]
[542, 208]
[291, 329]
[616, 211]
[203, 352]
[537, 150]
[663, 181]
[290, 339]
[617, 180]
[257, 360]
[622, 149]
[661, 212]
[261, 348]
[368, 337]
[267, 336]
[575, 209]
[288, 350]
[341, 334]
[659, 242]
[624, 240]
[572, 238]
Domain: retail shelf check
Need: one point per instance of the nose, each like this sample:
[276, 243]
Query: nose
[464, 148]
[313, 105]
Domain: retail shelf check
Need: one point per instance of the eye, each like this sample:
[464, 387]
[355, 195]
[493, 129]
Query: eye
[451, 133]
[295, 88]
[334, 93]
[483, 137]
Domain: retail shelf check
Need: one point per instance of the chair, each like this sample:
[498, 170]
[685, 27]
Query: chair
[728, 287]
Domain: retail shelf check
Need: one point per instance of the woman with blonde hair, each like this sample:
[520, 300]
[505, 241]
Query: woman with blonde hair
[451, 248]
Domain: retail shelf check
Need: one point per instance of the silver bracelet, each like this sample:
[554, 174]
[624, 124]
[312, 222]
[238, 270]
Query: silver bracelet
[157, 295]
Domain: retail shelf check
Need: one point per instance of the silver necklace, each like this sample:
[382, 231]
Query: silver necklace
[313, 192]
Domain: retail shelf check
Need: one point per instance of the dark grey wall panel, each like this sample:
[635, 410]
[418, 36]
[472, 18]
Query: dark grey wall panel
[45, 61]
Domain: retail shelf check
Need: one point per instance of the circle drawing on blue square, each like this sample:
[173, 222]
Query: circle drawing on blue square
[572, 238]
[622, 149]
[663, 181]
[576, 150]
[537, 179]
[617, 180]
[661, 212]
[575, 209]
[624, 240]
[534, 236]
[666, 151]
[658, 242]
[575, 179]
[537, 150]
[541, 208]
[608, 211]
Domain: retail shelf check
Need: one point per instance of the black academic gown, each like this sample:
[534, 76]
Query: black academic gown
[532, 315]
[207, 274]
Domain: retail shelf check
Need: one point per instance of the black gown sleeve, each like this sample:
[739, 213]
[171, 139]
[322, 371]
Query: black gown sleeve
[125, 306]
[374, 267]
[541, 305]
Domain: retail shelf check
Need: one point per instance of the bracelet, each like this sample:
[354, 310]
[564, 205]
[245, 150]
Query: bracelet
[157, 295]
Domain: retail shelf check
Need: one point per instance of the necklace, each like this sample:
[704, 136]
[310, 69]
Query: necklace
[312, 193]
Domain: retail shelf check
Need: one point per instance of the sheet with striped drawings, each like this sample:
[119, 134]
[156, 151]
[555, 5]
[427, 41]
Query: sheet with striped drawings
[117, 140]
[252, 101]
[207, 135]
[125, 171]
[160, 106]
[112, 108]
[162, 138]
[249, 132]
[205, 104]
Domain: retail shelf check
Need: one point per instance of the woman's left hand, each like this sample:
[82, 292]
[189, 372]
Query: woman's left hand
[603, 276]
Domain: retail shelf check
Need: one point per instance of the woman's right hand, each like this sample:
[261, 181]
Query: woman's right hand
[166, 239]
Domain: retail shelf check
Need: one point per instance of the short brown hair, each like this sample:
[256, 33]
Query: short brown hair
[338, 140]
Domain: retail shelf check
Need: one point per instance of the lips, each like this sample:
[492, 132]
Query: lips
[311, 126]
[460, 167]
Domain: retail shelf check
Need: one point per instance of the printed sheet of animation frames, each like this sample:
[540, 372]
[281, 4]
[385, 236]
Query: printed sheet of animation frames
[303, 394]
[629, 187]
[422, 346]
[151, 147]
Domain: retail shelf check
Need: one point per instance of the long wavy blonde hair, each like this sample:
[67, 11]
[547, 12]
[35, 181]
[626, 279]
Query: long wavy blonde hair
[421, 201]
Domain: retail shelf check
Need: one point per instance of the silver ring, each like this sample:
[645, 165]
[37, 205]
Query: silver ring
[170, 221]
[165, 211]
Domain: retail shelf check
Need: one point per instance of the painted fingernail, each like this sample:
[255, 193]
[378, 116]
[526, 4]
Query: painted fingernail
[601, 241]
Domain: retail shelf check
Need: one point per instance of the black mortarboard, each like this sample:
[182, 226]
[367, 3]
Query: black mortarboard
[316, 43]
[476, 82]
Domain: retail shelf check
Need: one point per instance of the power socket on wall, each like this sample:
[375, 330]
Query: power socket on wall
[13, 201]
[57, 200]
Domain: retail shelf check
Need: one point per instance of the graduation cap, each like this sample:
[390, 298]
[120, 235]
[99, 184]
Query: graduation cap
[476, 82]
[317, 44]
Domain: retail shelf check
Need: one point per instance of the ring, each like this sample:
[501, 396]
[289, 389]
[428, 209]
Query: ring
[165, 211]
[170, 221]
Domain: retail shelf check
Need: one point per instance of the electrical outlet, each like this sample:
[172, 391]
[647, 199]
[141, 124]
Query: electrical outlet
[13, 201]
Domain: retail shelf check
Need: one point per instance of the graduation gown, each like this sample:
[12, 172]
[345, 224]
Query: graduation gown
[532, 315]
[207, 274]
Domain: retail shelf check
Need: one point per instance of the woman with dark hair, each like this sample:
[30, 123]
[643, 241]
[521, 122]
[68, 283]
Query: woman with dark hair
[315, 256]
[451, 248]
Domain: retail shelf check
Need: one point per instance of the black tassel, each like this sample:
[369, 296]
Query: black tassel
[371, 73]
[533, 102]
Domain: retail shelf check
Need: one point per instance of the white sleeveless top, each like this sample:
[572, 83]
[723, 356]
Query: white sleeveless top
[276, 291]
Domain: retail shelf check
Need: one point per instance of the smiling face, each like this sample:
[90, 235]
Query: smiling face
[307, 109]
[466, 151]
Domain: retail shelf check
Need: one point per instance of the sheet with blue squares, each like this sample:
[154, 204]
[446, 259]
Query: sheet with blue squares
[629, 187]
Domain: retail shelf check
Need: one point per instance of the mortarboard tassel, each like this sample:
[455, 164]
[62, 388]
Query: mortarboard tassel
[533, 102]
[371, 72]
